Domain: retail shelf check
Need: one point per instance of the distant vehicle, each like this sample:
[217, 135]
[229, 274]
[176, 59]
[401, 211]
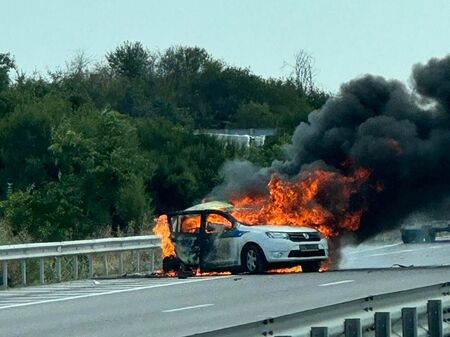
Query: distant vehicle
[424, 233]
[208, 237]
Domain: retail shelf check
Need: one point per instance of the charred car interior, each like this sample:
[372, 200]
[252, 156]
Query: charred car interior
[214, 240]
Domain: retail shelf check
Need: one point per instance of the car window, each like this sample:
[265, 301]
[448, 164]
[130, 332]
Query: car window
[216, 223]
[189, 223]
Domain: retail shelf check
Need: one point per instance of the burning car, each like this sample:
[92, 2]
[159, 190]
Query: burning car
[209, 237]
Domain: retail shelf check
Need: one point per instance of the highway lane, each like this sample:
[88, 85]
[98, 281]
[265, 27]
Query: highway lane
[385, 255]
[173, 307]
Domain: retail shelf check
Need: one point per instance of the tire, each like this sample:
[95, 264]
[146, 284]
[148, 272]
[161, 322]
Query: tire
[432, 237]
[407, 236]
[253, 260]
[185, 272]
[171, 263]
[311, 266]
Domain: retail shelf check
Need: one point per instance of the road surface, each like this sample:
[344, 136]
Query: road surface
[174, 307]
[385, 255]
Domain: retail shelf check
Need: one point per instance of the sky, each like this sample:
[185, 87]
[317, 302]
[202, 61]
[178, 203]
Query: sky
[346, 38]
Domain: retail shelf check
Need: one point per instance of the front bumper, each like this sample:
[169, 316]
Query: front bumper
[282, 250]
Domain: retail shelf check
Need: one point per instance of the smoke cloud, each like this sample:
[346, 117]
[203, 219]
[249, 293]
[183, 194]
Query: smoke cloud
[401, 136]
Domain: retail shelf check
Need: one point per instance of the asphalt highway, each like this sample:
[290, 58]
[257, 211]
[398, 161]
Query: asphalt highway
[396, 253]
[173, 307]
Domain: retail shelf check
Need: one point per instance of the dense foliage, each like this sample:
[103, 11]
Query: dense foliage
[98, 149]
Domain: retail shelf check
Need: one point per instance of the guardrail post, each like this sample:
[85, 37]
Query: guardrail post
[75, 267]
[319, 331]
[58, 269]
[409, 322]
[353, 327]
[42, 270]
[382, 324]
[5, 274]
[24, 272]
[434, 309]
[91, 265]
[152, 265]
[105, 264]
[121, 263]
[138, 262]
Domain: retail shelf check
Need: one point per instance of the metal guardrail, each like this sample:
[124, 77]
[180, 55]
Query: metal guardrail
[411, 313]
[91, 248]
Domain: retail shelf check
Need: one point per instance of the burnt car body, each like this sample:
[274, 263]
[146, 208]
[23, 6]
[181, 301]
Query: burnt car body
[214, 240]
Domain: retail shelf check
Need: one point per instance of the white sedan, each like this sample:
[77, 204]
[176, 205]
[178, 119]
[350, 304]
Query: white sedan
[213, 240]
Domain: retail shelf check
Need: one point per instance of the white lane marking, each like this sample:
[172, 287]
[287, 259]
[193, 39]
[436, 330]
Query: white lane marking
[11, 302]
[112, 292]
[28, 290]
[189, 308]
[30, 298]
[406, 251]
[76, 293]
[22, 300]
[392, 253]
[357, 251]
[335, 283]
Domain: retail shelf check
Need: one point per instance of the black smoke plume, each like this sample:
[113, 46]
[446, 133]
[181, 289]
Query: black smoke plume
[402, 136]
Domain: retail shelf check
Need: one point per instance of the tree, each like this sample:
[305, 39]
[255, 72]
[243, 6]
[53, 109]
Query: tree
[131, 60]
[6, 64]
[180, 71]
[253, 115]
[99, 181]
[101, 149]
[181, 64]
[131, 88]
[25, 136]
[91, 147]
[187, 164]
[303, 76]
[303, 72]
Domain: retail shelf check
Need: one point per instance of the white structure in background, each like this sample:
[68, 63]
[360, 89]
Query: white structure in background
[241, 137]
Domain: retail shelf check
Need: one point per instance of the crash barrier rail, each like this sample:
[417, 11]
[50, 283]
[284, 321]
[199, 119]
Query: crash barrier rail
[417, 312]
[73, 249]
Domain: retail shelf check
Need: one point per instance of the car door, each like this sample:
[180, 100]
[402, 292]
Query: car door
[218, 246]
[185, 229]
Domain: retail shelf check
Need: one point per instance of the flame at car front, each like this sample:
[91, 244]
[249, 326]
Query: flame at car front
[319, 199]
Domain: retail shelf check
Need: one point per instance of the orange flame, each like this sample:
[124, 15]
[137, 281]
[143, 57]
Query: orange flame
[319, 199]
[295, 269]
[198, 272]
[163, 231]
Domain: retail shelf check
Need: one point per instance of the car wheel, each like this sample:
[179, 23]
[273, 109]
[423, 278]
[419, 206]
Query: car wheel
[432, 237]
[171, 263]
[311, 267]
[406, 237]
[253, 260]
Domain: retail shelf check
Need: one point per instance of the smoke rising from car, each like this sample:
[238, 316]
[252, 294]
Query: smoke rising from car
[401, 136]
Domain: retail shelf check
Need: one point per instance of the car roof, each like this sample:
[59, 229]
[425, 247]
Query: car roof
[211, 205]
